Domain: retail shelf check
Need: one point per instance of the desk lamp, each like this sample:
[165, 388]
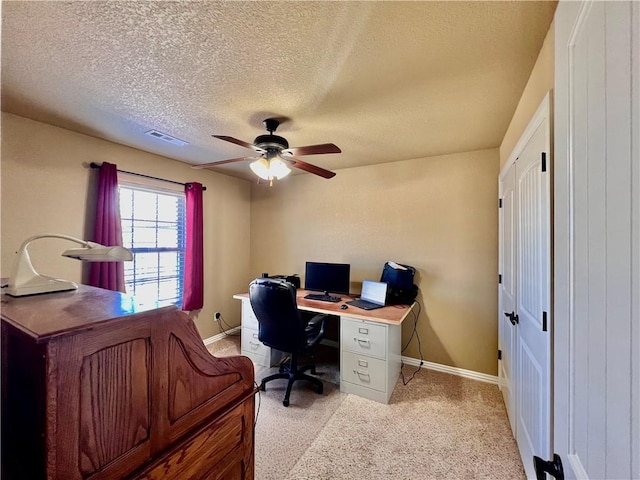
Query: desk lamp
[26, 281]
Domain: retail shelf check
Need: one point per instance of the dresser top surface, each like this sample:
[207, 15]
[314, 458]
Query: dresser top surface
[51, 314]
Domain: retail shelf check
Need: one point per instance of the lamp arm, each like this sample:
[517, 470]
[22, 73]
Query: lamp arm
[26, 243]
[26, 281]
[23, 270]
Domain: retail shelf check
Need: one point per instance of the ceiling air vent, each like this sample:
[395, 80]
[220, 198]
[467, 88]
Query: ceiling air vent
[166, 138]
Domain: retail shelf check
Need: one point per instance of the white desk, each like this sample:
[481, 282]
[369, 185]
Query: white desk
[370, 344]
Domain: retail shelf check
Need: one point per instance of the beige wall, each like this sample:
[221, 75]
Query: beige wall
[47, 189]
[539, 83]
[437, 214]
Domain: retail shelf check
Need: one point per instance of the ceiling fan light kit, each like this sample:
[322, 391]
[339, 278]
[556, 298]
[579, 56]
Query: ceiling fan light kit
[276, 156]
[270, 167]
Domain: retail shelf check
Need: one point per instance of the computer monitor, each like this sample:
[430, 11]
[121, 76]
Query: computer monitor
[327, 277]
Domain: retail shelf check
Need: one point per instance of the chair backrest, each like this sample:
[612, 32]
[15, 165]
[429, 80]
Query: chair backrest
[280, 324]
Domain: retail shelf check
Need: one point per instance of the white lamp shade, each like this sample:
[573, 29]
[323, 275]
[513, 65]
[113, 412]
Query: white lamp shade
[270, 169]
[279, 169]
[100, 253]
[261, 168]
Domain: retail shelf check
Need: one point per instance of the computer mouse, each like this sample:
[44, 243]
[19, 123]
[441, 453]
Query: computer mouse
[344, 307]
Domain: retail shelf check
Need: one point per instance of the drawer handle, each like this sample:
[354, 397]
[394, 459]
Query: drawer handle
[362, 342]
[254, 344]
[362, 374]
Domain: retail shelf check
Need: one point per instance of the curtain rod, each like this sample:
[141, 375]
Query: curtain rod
[95, 165]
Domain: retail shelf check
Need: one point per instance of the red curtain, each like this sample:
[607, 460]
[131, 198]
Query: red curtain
[193, 295]
[107, 230]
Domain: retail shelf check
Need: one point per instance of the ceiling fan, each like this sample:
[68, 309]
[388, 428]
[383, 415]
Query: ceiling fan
[275, 155]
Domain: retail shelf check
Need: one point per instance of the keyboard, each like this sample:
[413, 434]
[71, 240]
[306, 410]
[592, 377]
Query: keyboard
[322, 297]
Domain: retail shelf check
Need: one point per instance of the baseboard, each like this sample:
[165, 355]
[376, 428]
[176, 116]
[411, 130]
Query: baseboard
[461, 372]
[220, 336]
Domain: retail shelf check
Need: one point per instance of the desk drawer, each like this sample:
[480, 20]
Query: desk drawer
[363, 338]
[364, 371]
[257, 351]
[248, 317]
[250, 342]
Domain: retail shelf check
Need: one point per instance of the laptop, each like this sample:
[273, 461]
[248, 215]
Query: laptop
[373, 295]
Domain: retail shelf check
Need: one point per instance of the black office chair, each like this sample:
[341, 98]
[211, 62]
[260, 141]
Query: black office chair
[281, 326]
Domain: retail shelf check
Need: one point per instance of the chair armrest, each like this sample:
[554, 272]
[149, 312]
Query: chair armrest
[315, 330]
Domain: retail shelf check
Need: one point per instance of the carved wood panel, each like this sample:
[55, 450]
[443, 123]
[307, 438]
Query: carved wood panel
[189, 386]
[114, 403]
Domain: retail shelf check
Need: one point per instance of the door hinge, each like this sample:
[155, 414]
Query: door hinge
[499, 278]
[499, 354]
[553, 468]
[544, 321]
[544, 161]
[499, 203]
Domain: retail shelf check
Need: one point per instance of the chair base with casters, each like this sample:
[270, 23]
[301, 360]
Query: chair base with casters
[293, 372]
[281, 326]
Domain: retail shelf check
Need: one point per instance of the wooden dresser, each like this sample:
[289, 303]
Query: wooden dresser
[94, 387]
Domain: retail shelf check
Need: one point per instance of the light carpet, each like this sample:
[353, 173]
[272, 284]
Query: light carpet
[438, 426]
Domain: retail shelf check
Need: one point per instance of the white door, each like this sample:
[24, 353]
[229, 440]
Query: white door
[525, 289]
[533, 377]
[597, 240]
[506, 330]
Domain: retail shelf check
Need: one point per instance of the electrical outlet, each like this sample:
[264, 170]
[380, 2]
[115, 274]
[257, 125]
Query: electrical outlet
[217, 315]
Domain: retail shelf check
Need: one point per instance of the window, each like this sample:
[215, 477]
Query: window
[153, 227]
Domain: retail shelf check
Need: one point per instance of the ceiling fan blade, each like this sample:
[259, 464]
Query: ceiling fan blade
[307, 167]
[221, 162]
[313, 149]
[238, 142]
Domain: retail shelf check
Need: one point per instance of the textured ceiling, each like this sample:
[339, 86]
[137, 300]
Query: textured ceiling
[385, 81]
